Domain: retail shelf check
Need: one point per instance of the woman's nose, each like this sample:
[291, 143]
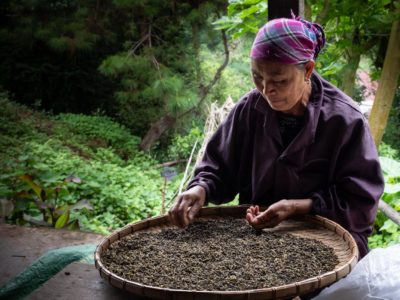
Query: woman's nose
[268, 89]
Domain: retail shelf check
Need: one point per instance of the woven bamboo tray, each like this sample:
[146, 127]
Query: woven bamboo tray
[312, 227]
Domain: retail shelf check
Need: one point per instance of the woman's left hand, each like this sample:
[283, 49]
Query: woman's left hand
[271, 217]
[277, 212]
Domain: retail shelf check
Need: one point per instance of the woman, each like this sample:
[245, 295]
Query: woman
[296, 143]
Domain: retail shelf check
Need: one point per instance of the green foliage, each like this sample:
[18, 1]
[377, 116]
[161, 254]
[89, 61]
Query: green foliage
[96, 131]
[148, 89]
[243, 17]
[181, 146]
[48, 201]
[350, 35]
[392, 133]
[50, 51]
[235, 80]
[386, 232]
[347, 36]
[45, 150]
[386, 150]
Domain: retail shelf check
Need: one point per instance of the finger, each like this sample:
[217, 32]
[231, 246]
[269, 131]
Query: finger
[197, 205]
[254, 222]
[250, 209]
[183, 217]
[173, 212]
[265, 219]
[249, 218]
[257, 210]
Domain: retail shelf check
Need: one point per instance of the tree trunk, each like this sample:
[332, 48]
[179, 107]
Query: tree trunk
[387, 85]
[349, 73]
[307, 11]
[156, 130]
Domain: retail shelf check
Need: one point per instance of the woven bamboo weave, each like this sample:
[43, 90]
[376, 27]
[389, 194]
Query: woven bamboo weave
[311, 227]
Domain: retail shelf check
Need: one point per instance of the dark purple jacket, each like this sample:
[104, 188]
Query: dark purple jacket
[333, 160]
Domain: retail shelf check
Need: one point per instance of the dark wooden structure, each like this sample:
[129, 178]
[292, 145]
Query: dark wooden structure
[283, 8]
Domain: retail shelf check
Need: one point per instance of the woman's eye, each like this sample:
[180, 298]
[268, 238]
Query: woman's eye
[281, 82]
[256, 77]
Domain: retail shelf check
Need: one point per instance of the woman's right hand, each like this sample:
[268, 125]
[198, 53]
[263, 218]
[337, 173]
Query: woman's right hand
[186, 206]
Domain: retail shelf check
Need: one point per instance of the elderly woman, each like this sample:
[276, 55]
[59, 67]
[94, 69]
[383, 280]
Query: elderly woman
[296, 143]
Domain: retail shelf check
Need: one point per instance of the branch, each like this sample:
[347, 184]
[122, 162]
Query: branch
[137, 44]
[217, 76]
[149, 35]
[389, 211]
[143, 39]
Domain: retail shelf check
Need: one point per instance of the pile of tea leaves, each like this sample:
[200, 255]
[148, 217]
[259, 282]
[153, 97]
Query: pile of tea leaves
[222, 255]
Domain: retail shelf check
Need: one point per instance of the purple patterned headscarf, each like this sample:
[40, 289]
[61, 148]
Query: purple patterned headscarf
[289, 41]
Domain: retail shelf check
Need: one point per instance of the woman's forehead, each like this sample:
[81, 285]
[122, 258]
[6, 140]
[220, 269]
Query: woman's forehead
[271, 68]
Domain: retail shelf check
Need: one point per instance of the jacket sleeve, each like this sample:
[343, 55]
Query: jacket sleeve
[217, 171]
[352, 199]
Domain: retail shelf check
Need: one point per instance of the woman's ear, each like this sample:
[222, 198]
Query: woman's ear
[309, 67]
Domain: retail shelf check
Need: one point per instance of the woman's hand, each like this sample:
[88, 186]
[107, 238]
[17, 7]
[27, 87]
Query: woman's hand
[186, 206]
[277, 212]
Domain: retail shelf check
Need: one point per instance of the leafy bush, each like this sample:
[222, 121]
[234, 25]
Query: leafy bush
[95, 132]
[386, 150]
[392, 133]
[120, 189]
[182, 145]
[386, 232]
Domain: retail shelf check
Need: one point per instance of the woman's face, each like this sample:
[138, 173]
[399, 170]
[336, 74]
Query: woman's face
[284, 87]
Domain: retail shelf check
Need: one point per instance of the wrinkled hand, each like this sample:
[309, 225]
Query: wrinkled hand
[186, 206]
[271, 217]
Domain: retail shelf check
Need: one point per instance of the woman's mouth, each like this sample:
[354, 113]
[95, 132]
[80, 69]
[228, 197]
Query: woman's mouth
[273, 100]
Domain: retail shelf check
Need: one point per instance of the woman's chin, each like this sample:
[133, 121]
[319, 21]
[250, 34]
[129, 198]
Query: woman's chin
[279, 105]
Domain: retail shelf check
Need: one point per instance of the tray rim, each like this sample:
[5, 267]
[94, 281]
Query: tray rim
[293, 289]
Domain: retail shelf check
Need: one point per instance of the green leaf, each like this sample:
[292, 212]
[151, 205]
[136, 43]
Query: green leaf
[392, 188]
[396, 204]
[249, 11]
[62, 220]
[60, 210]
[390, 227]
[49, 177]
[29, 180]
[81, 204]
[390, 166]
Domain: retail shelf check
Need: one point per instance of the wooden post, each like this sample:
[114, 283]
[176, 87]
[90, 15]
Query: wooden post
[283, 8]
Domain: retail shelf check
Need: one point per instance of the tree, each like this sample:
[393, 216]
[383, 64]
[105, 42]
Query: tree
[160, 74]
[388, 84]
[50, 50]
[349, 36]
[136, 60]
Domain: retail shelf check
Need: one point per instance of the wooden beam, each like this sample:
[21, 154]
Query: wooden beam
[283, 8]
[389, 211]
